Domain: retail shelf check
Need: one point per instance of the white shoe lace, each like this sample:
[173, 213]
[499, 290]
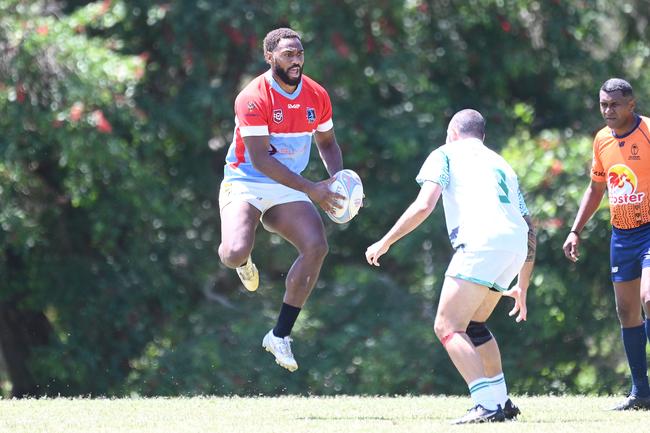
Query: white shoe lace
[284, 347]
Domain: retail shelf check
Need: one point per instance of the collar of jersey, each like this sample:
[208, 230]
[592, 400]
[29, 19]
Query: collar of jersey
[468, 140]
[638, 122]
[275, 86]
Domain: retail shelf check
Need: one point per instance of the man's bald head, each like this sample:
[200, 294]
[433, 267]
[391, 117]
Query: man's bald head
[466, 123]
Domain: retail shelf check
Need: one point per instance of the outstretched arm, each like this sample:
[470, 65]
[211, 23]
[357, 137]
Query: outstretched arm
[412, 217]
[589, 204]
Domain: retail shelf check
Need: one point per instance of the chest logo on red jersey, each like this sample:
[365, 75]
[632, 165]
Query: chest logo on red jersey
[277, 115]
[311, 115]
[622, 183]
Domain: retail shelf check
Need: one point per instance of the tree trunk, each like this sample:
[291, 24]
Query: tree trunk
[20, 331]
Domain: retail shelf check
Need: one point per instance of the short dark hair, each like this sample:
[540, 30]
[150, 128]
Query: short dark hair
[469, 122]
[273, 37]
[614, 84]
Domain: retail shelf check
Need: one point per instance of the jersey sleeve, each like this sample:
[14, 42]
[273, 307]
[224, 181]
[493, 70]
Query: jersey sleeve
[325, 122]
[597, 170]
[251, 115]
[435, 169]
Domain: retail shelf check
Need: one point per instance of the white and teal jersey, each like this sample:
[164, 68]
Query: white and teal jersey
[480, 193]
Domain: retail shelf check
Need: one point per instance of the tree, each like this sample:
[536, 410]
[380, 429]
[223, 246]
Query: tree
[115, 118]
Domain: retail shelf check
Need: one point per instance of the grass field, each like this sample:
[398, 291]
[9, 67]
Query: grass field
[306, 415]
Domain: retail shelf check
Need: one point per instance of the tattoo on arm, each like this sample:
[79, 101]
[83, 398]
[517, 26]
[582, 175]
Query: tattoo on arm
[532, 240]
[532, 245]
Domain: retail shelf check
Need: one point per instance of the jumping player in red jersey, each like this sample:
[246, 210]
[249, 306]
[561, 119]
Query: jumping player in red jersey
[621, 164]
[276, 116]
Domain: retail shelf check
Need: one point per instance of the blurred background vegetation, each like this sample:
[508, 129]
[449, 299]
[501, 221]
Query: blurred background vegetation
[115, 117]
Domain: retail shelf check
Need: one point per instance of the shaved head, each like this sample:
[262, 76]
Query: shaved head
[614, 84]
[468, 123]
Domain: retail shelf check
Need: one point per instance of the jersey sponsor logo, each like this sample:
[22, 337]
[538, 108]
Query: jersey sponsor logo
[635, 153]
[598, 173]
[293, 106]
[311, 115]
[286, 151]
[277, 115]
[251, 105]
[621, 143]
[622, 183]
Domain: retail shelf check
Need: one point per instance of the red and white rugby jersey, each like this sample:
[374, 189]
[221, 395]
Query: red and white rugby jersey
[289, 119]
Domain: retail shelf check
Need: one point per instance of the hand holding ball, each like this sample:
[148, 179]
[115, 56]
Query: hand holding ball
[348, 184]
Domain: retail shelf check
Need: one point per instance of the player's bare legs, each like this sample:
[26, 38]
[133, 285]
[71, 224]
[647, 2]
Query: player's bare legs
[238, 223]
[489, 352]
[491, 358]
[628, 304]
[459, 301]
[629, 295]
[301, 225]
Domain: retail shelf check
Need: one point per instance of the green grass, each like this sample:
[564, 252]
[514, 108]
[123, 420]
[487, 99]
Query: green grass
[306, 415]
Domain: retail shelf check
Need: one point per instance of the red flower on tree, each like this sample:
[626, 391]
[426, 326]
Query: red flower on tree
[76, 111]
[101, 123]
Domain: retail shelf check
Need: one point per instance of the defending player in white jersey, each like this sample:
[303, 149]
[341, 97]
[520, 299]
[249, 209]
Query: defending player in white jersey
[492, 233]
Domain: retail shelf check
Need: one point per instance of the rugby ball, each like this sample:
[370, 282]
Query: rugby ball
[348, 184]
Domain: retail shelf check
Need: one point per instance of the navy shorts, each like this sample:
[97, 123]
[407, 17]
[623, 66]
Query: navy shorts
[629, 252]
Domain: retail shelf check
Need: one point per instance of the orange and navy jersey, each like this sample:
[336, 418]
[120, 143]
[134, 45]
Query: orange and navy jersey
[624, 163]
[288, 119]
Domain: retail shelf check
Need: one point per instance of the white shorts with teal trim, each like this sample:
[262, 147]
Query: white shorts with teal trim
[493, 269]
[263, 196]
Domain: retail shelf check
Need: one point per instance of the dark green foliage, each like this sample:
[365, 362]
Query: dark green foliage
[115, 118]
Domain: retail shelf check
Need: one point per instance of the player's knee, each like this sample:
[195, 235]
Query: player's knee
[442, 329]
[626, 314]
[478, 333]
[317, 249]
[233, 255]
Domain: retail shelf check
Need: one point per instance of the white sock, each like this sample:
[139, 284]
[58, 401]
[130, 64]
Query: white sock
[499, 389]
[481, 392]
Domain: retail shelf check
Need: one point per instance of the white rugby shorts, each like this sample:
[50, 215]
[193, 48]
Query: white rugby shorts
[263, 196]
[493, 269]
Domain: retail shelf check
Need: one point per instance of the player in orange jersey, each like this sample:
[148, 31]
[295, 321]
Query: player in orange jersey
[621, 164]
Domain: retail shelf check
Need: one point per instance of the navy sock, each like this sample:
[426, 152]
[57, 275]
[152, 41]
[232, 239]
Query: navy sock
[647, 328]
[634, 341]
[286, 319]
